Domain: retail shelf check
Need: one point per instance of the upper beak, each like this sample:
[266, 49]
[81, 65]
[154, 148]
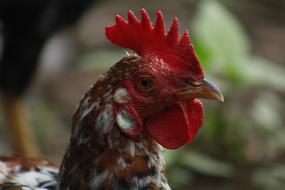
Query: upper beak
[207, 90]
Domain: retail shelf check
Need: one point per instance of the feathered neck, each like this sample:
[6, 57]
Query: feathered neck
[100, 156]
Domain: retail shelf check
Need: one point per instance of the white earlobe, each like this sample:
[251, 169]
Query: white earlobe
[121, 96]
[125, 121]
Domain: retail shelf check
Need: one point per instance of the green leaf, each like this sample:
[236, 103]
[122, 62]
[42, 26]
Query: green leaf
[266, 110]
[220, 39]
[259, 71]
[206, 165]
[173, 156]
[180, 177]
[270, 178]
[220, 33]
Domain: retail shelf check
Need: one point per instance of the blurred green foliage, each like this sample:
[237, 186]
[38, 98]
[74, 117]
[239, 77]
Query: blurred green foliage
[247, 130]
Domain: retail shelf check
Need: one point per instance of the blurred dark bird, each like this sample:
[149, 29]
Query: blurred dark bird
[26, 26]
[143, 102]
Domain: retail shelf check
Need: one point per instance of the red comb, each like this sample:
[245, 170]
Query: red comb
[153, 41]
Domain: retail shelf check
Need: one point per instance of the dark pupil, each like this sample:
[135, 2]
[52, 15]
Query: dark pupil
[145, 83]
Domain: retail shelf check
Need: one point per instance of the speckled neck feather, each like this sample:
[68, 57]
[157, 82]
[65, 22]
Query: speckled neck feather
[99, 155]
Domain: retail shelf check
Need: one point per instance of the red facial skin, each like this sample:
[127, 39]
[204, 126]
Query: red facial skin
[169, 120]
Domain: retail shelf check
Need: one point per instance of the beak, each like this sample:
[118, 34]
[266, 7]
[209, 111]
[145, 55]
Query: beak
[207, 90]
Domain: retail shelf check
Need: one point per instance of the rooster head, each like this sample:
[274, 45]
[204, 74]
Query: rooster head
[158, 89]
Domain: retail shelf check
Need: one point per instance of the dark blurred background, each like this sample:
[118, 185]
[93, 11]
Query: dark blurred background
[241, 45]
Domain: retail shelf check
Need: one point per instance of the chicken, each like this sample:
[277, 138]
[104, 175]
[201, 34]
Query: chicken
[26, 26]
[144, 102]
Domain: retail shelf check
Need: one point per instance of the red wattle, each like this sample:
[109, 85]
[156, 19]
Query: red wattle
[177, 125]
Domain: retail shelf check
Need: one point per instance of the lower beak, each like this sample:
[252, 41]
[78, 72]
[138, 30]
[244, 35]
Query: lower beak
[207, 90]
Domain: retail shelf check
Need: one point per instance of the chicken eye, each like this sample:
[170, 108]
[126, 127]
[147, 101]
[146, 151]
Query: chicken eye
[145, 83]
